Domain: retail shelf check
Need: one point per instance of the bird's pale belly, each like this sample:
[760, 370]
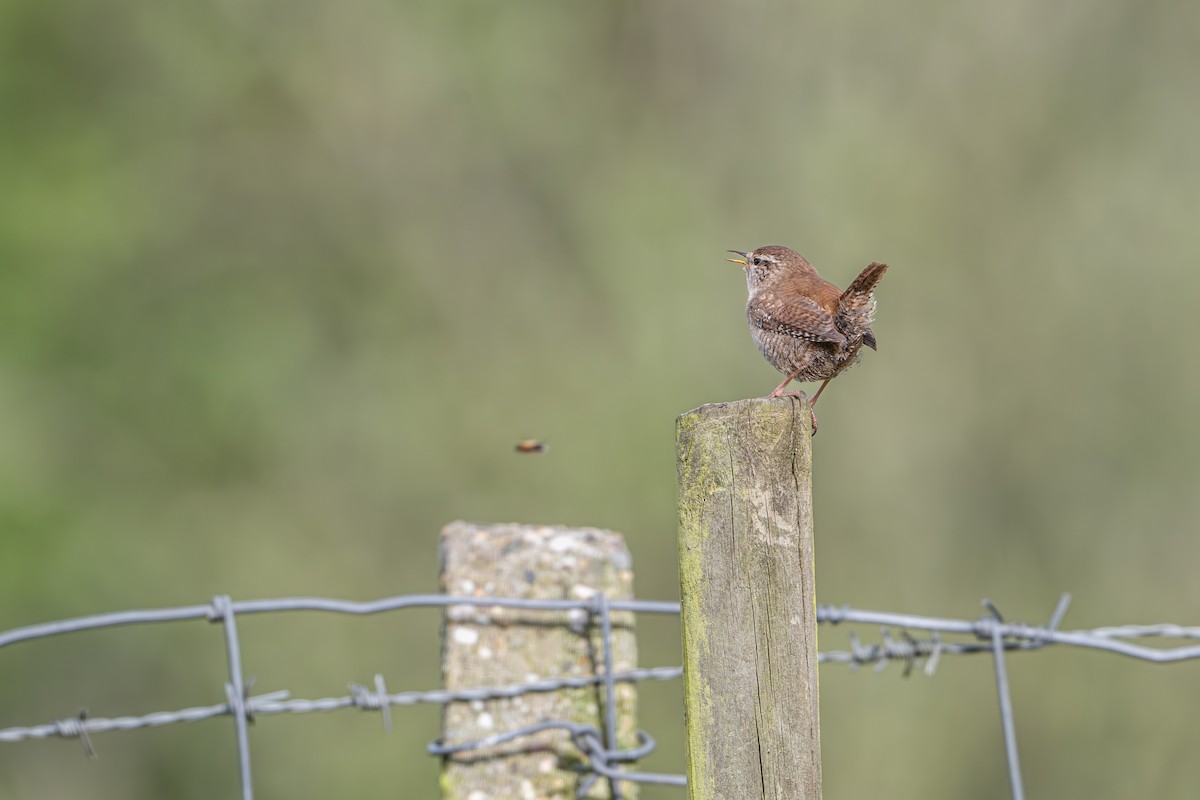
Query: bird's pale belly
[816, 361]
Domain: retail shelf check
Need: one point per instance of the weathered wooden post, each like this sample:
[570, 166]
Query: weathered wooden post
[749, 602]
[489, 646]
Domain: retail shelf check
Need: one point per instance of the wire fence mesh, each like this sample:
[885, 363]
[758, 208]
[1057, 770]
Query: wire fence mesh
[602, 760]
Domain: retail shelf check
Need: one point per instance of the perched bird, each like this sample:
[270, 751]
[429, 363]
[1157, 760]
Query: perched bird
[532, 446]
[806, 327]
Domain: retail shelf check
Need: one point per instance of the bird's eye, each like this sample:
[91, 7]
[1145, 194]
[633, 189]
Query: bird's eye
[758, 261]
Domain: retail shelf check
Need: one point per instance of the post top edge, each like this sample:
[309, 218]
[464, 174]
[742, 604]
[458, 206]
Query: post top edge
[749, 402]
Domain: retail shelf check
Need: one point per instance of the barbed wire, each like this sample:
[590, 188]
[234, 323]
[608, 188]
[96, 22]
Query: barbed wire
[359, 697]
[603, 760]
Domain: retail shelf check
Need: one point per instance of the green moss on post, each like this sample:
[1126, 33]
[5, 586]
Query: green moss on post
[749, 602]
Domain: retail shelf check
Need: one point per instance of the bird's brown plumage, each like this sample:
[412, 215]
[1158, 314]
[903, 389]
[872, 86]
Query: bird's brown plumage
[805, 326]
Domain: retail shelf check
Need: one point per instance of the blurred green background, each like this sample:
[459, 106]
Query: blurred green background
[282, 283]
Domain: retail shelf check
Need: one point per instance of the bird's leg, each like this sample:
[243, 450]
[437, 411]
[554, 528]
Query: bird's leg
[813, 402]
[818, 394]
[779, 392]
[779, 389]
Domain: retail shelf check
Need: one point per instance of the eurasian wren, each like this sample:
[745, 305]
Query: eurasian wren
[806, 327]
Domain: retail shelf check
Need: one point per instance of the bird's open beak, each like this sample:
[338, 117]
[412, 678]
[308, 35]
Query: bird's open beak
[741, 262]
